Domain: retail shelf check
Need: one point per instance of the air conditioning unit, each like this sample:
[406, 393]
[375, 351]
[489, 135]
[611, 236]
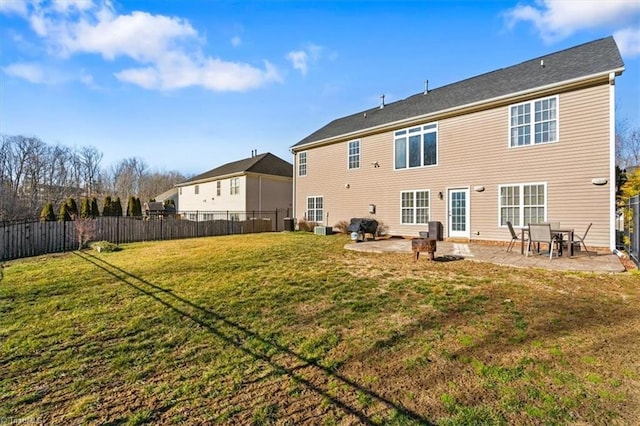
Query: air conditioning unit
[323, 230]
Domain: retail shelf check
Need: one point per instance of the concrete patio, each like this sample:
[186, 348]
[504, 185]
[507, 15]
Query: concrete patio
[598, 262]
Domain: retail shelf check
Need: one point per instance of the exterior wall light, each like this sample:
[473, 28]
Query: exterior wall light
[599, 181]
[440, 195]
[478, 188]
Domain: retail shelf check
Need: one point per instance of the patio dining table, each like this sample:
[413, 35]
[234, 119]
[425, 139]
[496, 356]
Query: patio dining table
[561, 230]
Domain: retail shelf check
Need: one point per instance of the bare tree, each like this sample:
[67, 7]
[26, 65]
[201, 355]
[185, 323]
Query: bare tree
[126, 176]
[90, 159]
[627, 145]
[155, 183]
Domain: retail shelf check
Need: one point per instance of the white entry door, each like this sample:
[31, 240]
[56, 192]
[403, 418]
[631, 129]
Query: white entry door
[459, 213]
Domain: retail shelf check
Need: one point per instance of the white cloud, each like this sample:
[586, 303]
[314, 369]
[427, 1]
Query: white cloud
[33, 73]
[37, 74]
[628, 41]
[18, 7]
[236, 41]
[166, 49]
[181, 71]
[299, 59]
[303, 58]
[557, 19]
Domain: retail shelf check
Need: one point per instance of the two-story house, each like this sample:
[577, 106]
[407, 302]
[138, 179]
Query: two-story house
[533, 142]
[262, 182]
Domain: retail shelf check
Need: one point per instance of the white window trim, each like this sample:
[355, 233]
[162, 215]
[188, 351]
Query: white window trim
[435, 130]
[306, 208]
[233, 187]
[306, 167]
[521, 186]
[414, 191]
[349, 155]
[532, 123]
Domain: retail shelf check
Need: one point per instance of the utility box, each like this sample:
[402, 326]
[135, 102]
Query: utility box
[323, 230]
[289, 224]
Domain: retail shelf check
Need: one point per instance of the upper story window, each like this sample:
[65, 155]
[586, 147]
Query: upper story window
[354, 155]
[523, 204]
[534, 122]
[196, 189]
[416, 147]
[218, 188]
[234, 186]
[302, 164]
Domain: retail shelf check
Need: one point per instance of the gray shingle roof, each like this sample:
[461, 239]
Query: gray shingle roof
[266, 164]
[581, 61]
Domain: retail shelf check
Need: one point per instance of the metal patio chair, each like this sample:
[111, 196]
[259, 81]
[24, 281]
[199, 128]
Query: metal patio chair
[541, 233]
[581, 239]
[514, 236]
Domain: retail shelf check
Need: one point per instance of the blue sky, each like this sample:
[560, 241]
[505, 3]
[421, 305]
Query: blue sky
[190, 85]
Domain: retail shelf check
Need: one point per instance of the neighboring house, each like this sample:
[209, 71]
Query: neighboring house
[169, 195]
[262, 182]
[533, 142]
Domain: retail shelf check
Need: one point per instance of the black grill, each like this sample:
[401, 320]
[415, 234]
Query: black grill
[363, 226]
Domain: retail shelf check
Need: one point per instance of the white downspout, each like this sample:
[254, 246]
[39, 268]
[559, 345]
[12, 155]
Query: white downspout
[612, 161]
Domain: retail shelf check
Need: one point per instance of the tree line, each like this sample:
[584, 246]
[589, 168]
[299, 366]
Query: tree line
[34, 174]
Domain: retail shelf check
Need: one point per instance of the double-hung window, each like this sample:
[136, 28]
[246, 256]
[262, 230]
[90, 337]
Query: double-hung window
[302, 164]
[196, 189]
[354, 155]
[414, 207]
[315, 209]
[234, 186]
[218, 188]
[523, 204]
[534, 122]
[416, 147]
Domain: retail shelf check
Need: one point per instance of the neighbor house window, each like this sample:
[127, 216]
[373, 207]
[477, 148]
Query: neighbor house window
[416, 146]
[180, 190]
[414, 207]
[315, 209]
[354, 154]
[197, 189]
[302, 164]
[218, 188]
[234, 186]
[534, 122]
[523, 204]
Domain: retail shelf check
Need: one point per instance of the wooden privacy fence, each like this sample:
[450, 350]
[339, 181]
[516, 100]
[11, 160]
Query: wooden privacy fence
[33, 238]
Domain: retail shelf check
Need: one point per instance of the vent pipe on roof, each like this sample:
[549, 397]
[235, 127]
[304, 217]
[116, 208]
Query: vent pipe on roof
[381, 101]
[426, 87]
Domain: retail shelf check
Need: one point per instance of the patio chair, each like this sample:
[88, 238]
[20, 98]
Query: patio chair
[514, 236]
[541, 233]
[581, 239]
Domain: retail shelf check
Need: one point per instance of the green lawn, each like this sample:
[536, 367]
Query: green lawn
[290, 328]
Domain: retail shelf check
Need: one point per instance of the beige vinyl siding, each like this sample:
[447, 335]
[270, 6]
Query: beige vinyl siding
[268, 193]
[474, 150]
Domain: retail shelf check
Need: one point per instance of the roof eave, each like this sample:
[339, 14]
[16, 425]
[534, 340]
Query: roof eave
[466, 108]
[211, 179]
